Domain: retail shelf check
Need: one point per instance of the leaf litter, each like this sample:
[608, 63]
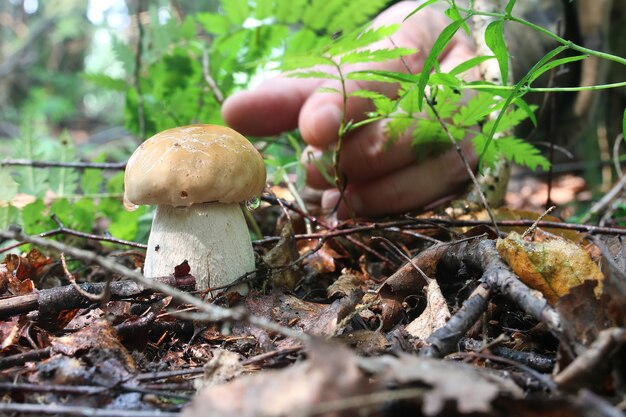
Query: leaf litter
[371, 327]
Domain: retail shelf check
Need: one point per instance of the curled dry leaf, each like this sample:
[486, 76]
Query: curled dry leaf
[347, 282]
[284, 276]
[434, 316]
[223, 366]
[552, 267]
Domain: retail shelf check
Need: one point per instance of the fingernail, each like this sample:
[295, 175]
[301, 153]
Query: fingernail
[330, 198]
[323, 125]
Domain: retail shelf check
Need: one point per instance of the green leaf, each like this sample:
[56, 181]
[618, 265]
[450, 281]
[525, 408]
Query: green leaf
[420, 7]
[313, 74]
[8, 215]
[264, 9]
[515, 94]
[470, 63]
[382, 76]
[553, 64]
[64, 181]
[360, 39]
[494, 38]
[290, 11]
[511, 119]
[213, 23]
[353, 14]
[442, 41]
[124, 54]
[237, 11]
[522, 153]
[453, 13]
[624, 125]
[477, 108]
[8, 190]
[105, 81]
[509, 7]
[377, 55]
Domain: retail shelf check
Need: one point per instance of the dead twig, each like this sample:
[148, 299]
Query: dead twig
[51, 301]
[112, 166]
[103, 296]
[595, 362]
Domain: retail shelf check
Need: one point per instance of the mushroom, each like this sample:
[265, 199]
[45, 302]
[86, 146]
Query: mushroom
[197, 175]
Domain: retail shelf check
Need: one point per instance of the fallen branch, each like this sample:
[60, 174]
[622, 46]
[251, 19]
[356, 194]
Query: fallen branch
[51, 301]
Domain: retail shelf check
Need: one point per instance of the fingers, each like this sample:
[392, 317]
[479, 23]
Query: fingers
[270, 109]
[366, 155]
[321, 114]
[413, 187]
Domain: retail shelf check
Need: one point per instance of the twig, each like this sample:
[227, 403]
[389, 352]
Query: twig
[594, 362]
[21, 358]
[65, 231]
[55, 409]
[444, 340]
[211, 312]
[104, 295]
[545, 380]
[601, 204]
[206, 72]
[141, 7]
[113, 166]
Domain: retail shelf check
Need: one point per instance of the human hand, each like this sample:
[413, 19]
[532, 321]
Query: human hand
[381, 179]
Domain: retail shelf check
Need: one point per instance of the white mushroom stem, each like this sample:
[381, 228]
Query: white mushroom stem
[212, 237]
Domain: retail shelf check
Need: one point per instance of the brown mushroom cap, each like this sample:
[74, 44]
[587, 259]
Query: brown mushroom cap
[194, 164]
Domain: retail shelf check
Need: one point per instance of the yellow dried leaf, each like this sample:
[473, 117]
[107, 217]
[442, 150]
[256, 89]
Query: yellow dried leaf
[551, 267]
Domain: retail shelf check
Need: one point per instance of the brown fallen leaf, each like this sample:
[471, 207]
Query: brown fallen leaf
[434, 316]
[551, 267]
[223, 366]
[330, 373]
[472, 389]
[100, 336]
[347, 282]
[280, 257]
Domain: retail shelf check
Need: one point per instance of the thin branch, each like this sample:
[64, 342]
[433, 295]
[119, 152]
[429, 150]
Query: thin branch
[103, 296]
[206, 72]
[113, 166]
[141, 114]
[62, 230]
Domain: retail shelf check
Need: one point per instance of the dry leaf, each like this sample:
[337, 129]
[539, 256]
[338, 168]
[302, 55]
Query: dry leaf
[223, 366]
[551, 267]
[330, 374]
[471, 389]
[283, 276]
[434, 316]
[347, 282]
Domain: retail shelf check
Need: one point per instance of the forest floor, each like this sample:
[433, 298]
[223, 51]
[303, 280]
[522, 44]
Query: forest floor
[409, 315]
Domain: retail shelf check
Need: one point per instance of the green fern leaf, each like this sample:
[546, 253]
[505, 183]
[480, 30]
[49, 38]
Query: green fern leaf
[477, 108]
[354, 14]
[237, 11]
[290, 11]
[64, 181]
[377, 55]
[521, 152]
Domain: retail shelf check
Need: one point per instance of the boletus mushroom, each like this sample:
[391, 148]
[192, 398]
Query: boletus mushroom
[197, 176]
